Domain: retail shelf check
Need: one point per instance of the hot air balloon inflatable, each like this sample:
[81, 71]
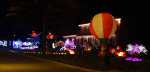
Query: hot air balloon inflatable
[103, 27]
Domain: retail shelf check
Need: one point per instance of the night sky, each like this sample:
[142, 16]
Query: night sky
[63, 16]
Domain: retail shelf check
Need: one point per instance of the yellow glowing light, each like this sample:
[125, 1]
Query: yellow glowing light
[121, 54]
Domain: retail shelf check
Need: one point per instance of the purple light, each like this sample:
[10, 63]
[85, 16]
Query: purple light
[69, 44]
[129, 58]
[136, 49]
[134, 59]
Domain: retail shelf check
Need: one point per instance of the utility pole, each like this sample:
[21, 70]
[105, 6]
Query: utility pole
[44, 21]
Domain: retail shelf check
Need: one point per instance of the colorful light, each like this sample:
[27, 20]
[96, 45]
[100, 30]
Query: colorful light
[136, 49]
[69, 44]
[134, 59]
[112, 50]
[30, 48]
[121, 54]
[3, 43]
[25, 45]
[71, 52]
[53, 45]
[34, 34]
[119, 48]
[17, 44]
[50, 36]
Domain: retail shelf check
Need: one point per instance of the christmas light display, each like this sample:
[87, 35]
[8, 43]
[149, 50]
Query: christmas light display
[118, 52]
[69, 46]
[3, 43]
[134, 50]
[53, 45]
[121, 54]
[50, 36]
[134, 59]
[24, 45]
[17, 44]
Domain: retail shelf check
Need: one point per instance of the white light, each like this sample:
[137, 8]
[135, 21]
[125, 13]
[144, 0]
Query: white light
[3, 43]
[69, 36]
[17, 44]
[71, 52]
[129, 47]
[89, 49]
[53, 45]
[118, 20]
[143, 49]
[84, 25]
[27, 43]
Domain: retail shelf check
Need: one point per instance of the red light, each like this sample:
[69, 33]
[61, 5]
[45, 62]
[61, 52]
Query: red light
[34, 34]
[50, 36]
[112, 50]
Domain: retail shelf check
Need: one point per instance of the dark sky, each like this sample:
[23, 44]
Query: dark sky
[136, 19]
[63, 16]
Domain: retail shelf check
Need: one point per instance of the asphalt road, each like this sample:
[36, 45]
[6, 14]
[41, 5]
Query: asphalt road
[29, 63]
[15, 63]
